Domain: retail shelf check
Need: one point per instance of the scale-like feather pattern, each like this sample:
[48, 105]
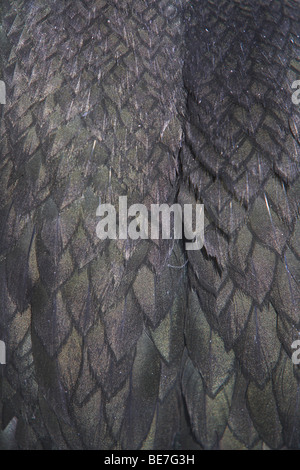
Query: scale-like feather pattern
[241, 158]
[135, 344]
[94, 98]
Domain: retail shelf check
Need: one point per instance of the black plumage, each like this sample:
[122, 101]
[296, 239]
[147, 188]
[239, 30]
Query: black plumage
[140, 344]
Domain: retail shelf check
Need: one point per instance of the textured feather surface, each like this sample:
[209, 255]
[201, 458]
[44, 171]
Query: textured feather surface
[94, 97]
[241, 160]
[136, 344]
